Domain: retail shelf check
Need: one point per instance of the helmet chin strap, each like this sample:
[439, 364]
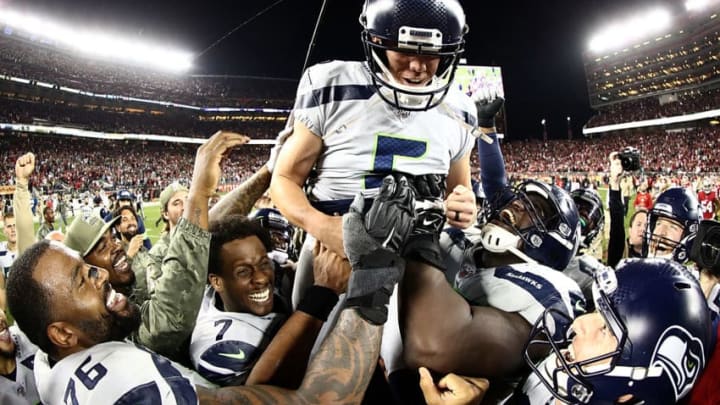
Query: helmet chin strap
[497, 239]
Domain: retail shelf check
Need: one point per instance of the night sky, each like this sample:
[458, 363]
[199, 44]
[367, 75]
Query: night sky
[538, 44]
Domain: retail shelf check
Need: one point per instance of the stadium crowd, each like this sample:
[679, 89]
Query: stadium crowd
[172, 122]
[693, 151]
[97, 164]
[44, 62]
[317, 280]
[650, 108]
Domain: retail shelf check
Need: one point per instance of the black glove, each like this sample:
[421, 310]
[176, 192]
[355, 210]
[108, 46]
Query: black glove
[372, 243]
[487, 110]
[424, 241]
[429, 192]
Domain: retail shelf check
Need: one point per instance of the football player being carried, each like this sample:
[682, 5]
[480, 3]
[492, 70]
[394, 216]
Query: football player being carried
[355, 122]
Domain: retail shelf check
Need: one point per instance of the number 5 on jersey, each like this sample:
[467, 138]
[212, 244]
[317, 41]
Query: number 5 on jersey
[388, 148]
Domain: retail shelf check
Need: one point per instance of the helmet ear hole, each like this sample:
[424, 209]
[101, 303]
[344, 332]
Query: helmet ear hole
[682, 286]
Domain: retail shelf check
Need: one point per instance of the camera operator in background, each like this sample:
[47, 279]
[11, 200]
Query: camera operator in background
[705, 253]
[618, 247]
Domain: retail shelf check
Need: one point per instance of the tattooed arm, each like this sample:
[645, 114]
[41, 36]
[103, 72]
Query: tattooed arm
[339, 373]
[242, 199]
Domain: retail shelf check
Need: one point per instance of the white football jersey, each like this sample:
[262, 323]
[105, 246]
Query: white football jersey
[526, 289]
[364, 137]
[22, 390]
[6, 258]
[225, 345]
[112, 373]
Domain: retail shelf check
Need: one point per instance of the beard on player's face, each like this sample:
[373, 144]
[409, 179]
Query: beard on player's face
[112, 327]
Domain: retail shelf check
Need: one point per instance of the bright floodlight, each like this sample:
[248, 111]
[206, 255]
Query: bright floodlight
[633, 29]
[99, 44]
[695, 5]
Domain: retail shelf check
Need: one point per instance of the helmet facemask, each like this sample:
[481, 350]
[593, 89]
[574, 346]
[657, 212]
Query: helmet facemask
[664, 247]
[592, 217]
[567, 378]
[545, 222]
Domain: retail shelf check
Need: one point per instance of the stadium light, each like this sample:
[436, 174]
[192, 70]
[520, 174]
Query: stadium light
[641, 26]
[99, 44]
[696, 5]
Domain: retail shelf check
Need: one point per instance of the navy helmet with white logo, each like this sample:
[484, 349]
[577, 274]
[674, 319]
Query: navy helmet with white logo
[422, 27]
[658, 314]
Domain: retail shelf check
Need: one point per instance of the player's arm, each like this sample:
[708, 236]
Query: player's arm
[443, 332]
[340, 372]
[293, 166]
[168, 317]
[241, 199]
[284, 361]
[24, 167]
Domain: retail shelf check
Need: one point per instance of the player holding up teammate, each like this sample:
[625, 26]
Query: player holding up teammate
[69, 309]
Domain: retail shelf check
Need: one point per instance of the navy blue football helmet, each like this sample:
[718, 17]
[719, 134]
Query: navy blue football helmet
[423, 27]
[680, 205]
[278, 226]
[592, 215]
[553, 236]
[657, 314]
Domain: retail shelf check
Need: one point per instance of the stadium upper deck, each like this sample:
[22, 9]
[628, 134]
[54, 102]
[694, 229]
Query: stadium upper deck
[683, 58]
[39, 61]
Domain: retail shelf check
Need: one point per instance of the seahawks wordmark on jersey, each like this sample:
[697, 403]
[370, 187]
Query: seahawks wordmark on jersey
[527, 289]
[225, 345]
[117, 373]
[21, 390]
[364, 137]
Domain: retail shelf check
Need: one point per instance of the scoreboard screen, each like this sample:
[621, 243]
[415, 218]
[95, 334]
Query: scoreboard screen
[472, 79]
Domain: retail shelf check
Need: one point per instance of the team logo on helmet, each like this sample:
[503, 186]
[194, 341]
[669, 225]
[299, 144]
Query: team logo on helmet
[681, 356]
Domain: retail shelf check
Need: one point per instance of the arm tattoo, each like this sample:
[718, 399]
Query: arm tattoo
[339, 373]
[242, 199]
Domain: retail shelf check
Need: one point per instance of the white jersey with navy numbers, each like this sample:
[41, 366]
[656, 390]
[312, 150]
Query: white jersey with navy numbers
[22, 389]
[525, 288]
[6, 258]
[116, 373]
[364, 137]
[225, 345]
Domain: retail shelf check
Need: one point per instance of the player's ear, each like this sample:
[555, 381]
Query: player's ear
[216, 282]
[62, 335]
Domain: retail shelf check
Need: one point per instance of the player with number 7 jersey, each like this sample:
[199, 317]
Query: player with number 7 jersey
[225, 345]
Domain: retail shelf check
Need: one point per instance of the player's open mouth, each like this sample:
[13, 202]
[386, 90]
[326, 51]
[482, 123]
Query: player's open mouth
[260, 296]
[120, 265]
[413, 82]
[569, 354]
[115, 301]
[509, 216]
